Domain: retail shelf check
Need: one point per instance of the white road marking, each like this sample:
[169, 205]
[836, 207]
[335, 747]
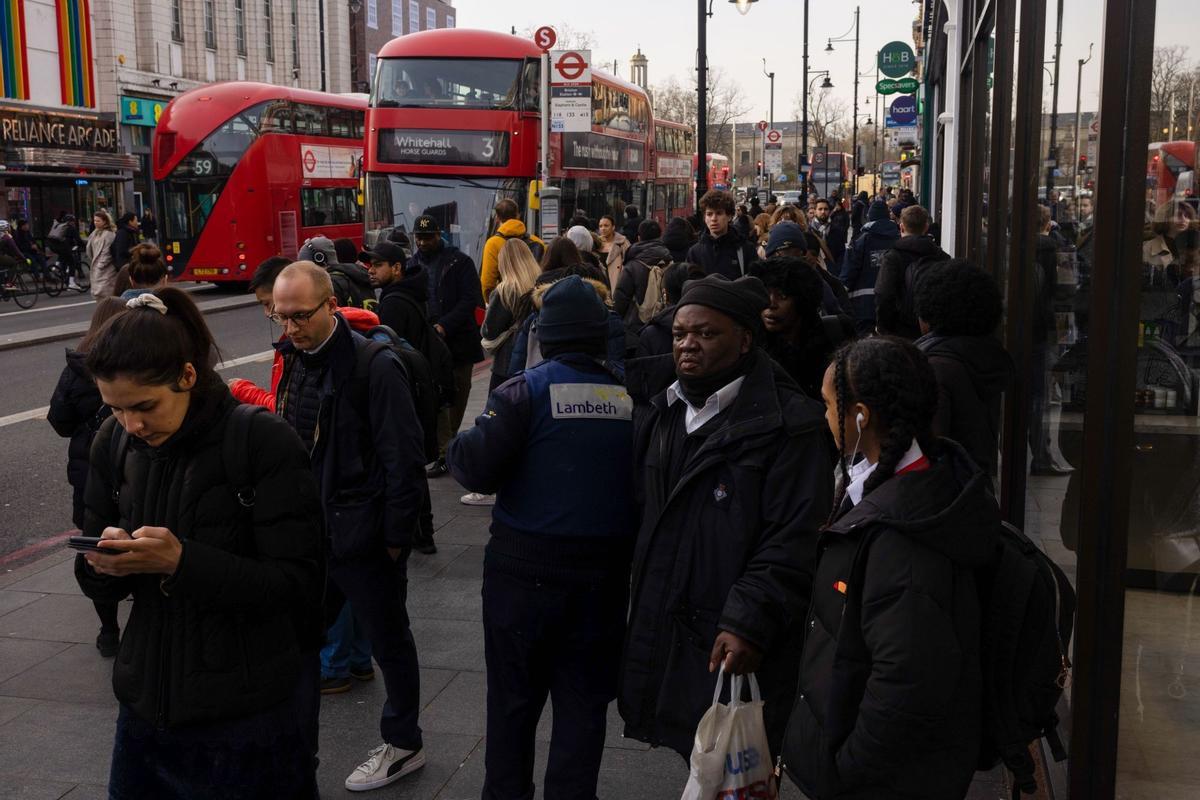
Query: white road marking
[40, 413]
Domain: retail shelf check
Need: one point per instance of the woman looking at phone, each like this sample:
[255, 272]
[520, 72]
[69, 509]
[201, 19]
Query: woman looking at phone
[214, 531]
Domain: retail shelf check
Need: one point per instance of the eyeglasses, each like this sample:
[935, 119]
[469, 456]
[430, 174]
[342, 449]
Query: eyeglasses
[299, 318]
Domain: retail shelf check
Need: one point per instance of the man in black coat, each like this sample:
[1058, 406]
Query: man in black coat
[735, 476]
[403, 292]
[454, 295]
[899, 271]
[124, 240]
[721, 248]
[368, 462]
[633, 219]
[860, 269]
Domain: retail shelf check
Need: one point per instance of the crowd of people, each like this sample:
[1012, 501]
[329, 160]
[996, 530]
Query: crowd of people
[686, 440]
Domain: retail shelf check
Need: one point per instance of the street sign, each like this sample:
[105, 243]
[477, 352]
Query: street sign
[763, 125]
[904, 109]
[545, 37]
[570, 67]
[892, 86]
[904, 135]
[896, 59]
[773, 151]
[774, 136]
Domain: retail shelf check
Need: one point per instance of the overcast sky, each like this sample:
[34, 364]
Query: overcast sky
[666, 32]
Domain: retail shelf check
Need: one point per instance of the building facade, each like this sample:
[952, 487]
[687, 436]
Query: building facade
[106, 69]
[374, 23]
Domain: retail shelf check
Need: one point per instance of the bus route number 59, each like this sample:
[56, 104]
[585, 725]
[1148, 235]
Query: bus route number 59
[202, 166]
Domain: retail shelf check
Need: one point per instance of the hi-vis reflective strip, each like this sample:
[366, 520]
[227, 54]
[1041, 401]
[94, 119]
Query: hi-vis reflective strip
[840, 586]
[590, 401]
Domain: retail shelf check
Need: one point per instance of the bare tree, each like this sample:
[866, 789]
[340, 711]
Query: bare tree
[569, 37]
[827, 119]
[1170, 78]
[677, 102]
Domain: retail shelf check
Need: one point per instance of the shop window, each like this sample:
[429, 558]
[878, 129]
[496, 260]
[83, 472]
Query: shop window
[329, 207]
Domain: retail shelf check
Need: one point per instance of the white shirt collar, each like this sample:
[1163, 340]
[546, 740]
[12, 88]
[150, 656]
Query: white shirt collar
[328, 339]
[695, 418]
[862, 470]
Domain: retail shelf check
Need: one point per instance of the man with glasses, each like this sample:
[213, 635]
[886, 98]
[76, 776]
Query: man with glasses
[349, 400]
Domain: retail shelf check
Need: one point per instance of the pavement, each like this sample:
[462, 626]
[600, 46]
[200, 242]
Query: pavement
[57, 711]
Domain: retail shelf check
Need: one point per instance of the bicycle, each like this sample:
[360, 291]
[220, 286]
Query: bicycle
[17, 285]
[54, 281]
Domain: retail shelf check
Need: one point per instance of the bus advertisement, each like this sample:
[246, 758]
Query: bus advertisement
[245, 171]
[454, 126]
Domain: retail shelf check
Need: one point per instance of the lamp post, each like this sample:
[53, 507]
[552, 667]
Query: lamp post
[770, 126]
[829, 49]
[355, 7]
[826, 84]
[702, 15]
[803, 165]
[1078, 85]
[1052, 156]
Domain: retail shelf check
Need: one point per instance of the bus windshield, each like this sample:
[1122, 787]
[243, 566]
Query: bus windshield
[191, 190]
[462, 206]
[450, 83]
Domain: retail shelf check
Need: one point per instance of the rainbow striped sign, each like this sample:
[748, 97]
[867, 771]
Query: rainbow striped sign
[75, 52]
[14, 68]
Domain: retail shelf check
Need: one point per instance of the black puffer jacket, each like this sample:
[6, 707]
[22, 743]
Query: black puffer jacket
[890, 685]
[728, 546]
[972, 374]
[223, 637]
[76, 411]
[731, 254]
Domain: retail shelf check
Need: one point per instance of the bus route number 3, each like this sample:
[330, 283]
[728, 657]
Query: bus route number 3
[489, 147]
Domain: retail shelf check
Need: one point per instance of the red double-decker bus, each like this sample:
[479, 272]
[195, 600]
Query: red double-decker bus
[673, 163]
[718, 171]
[245, 171]
[454, 126]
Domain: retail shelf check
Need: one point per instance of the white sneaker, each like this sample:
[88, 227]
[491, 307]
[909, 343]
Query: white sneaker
[385, 764]
[71, 284]
[477, 499]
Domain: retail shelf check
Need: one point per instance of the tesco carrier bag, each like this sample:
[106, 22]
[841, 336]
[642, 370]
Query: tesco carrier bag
[730, 758]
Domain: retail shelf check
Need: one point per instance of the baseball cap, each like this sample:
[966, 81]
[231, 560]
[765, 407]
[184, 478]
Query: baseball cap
[319, 250]
[390, 252]
[785, 234]
[426, 224]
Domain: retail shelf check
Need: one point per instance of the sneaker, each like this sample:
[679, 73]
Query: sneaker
[477, 499]
[436, 469]
[366, 673]
[108, 642]
[71, 284]
[335, 685]
[385, 764]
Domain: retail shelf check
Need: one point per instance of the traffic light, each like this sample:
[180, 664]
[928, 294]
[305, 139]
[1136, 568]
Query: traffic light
[1082, 163]
[758, 167]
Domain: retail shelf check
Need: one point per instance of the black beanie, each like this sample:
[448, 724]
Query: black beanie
[742, 300]
[878, 211]
[572, 312]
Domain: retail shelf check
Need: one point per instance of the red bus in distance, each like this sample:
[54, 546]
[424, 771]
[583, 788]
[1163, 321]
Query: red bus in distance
[245, 171]
[1171, 171]
[673, 162]
[454, 126]
[718, 171]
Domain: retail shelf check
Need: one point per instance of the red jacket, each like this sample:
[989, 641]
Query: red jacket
[248, 392]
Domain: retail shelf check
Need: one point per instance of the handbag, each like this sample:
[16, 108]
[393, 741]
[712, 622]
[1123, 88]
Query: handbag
[730, 757]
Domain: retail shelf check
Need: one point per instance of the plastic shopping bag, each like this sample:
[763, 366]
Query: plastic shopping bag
[730, 759]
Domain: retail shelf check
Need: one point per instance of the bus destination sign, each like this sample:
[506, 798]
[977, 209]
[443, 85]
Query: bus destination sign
[596, 151]
[448, 148]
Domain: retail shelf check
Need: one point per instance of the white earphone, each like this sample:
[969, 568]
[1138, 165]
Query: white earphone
[858, 422]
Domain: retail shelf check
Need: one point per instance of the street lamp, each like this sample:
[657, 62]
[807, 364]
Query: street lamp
[355, 7]
[829, 49]
[702, 16]
[1078, 85]
[770, 126]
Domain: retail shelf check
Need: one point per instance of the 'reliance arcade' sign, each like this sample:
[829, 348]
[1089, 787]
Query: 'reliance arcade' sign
[23, 128]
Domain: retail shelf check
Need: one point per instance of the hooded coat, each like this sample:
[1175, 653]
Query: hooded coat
[972, 374]
[731, 254]
[631, 285]
[677, 237]
[454, 296]
[860, 269]
[894, 312]
[77, 411]
[890, 690]
[727, 545]
[489, 262]
[401, 307]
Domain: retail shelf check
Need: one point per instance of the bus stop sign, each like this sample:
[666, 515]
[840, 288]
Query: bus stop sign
[545, 37]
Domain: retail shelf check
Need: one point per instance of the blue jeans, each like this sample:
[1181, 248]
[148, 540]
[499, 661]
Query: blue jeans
[347, 647]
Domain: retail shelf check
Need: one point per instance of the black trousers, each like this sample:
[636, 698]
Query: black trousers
[377, 587]
[558, 640]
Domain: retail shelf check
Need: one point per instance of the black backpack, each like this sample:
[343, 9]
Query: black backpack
[537, 248]
[436, 352]
[1027, 610]
[912, 276]
[417, 373]
[351, 286]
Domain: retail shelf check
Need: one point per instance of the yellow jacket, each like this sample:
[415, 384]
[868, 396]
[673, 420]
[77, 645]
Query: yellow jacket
[489, 270]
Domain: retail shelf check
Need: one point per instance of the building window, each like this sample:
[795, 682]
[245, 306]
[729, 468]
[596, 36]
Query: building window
[269, 30]
[177, 20]
[295, 38]
[239, 25]
[397, 17]
[414, 16]
[430, 19]
[210, 24]
[449, 20]
[373, 14]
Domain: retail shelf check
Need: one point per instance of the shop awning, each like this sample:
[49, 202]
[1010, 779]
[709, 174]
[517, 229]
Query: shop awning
[70, 159]
[17, 176]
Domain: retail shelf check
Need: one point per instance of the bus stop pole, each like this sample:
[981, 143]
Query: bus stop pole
[544, 164]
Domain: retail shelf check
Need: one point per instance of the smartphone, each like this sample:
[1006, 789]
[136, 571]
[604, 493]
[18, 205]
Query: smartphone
[87, 544]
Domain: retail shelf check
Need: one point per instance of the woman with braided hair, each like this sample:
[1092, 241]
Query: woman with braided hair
[889, 696]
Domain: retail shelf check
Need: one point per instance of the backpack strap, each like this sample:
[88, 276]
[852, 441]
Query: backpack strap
[741, 261]
[118, 448]
[235, 452]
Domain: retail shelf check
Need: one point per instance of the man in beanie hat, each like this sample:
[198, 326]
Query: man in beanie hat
[734, 478]
[861, 267]
[555, 444]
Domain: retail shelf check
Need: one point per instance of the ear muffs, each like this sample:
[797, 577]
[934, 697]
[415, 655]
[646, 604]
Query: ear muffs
[319, 258]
